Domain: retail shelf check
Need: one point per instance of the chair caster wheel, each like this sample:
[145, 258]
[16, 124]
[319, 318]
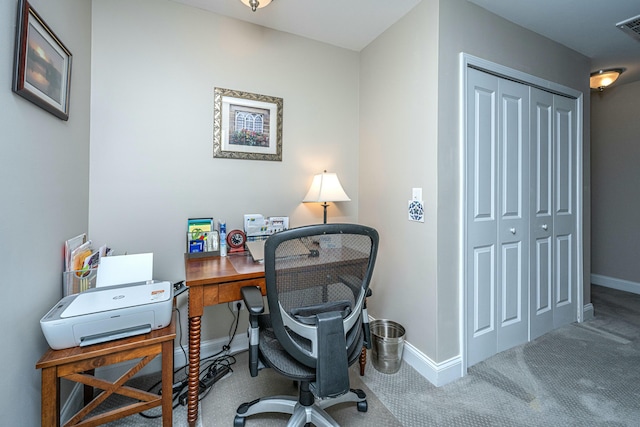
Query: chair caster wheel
[362, 406]
[238, 421]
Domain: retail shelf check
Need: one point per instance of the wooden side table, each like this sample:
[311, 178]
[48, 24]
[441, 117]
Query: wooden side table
[77, 364]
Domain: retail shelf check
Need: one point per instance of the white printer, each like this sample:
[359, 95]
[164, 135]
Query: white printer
[108, 313]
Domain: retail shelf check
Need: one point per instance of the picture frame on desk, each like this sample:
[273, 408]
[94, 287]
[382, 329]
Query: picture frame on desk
[247, 125]
[42, 64]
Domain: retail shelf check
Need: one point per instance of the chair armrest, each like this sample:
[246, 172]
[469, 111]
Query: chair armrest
[255, 304]
[253, 299]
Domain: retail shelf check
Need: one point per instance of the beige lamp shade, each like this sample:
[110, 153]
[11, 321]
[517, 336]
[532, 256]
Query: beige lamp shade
[326, 188]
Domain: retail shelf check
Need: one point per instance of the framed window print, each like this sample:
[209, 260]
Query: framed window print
[247, 125]
[42, 64]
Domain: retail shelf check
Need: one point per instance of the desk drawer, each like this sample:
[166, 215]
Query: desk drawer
[210, 295]
[228, 292]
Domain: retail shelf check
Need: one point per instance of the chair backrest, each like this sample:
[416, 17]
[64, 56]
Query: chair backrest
[317, 279]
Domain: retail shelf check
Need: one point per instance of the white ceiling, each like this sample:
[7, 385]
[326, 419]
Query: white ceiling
[587, 26]
[351, 24]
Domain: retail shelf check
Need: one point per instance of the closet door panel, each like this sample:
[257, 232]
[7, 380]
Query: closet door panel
[513, 222]
[481, 215]
[541, 224]
[483, 291]
[565, 133]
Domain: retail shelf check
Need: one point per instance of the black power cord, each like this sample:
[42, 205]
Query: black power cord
[205, 384]
[216, 367]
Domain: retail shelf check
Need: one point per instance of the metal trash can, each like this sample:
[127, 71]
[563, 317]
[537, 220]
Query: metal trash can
[387, 345]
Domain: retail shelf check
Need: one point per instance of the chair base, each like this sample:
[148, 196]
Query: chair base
[301, 415]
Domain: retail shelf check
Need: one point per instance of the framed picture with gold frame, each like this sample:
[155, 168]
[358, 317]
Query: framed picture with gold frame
[42, 64]
[247, 125]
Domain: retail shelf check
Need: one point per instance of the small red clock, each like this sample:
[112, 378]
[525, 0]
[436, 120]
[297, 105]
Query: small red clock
[236, 240]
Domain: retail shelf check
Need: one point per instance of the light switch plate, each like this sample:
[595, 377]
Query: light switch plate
[416, 194]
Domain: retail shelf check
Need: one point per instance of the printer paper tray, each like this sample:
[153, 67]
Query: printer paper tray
[114, 335]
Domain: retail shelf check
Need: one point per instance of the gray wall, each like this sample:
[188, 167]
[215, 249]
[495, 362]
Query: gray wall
[44, 197]
[465, 27]
[410, 138]
[151, 143]
[152, 164]
[398, 152]
[615, 150]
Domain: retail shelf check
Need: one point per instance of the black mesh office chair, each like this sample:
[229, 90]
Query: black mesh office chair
[317, 280]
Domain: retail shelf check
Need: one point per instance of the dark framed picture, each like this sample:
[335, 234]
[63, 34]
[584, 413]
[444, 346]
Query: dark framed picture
[247, 125]
[42, 64]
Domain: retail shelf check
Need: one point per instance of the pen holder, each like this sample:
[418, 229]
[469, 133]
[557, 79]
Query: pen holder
[74, 282]
[204, 243]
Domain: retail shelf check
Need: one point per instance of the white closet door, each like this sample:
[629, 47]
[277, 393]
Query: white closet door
[542, 213]
[482, 217]
[497, 215]
[513, 221]
[553, 218]
[565, 192]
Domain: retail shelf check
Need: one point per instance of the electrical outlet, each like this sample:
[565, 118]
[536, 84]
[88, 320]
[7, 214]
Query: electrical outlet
[235, 305]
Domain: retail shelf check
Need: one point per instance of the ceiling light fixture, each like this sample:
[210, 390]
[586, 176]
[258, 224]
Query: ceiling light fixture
[604, 78]
[255, 4]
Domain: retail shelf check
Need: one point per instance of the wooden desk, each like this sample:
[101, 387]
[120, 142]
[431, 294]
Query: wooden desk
[77, 364]
[217, 280]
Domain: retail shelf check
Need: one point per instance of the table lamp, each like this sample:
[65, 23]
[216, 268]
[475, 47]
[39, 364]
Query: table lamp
[326, 188]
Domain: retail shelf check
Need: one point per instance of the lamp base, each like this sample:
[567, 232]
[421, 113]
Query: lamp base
[324, 205]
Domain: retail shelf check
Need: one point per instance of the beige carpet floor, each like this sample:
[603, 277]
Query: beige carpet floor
[217, 409]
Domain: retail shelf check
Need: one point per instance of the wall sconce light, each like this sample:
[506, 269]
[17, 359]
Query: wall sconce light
[604, 78]
[326, 188]
[255, 4]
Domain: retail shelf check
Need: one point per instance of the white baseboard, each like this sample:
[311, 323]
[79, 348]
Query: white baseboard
[437, 374]
[619, 284]
[587, 312]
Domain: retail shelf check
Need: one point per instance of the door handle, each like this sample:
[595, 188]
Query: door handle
[512, 230]
[545, 227]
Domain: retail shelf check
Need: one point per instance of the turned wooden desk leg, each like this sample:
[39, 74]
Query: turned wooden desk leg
[363, 352]
[194, 370]
[50, 411]
[167, 383]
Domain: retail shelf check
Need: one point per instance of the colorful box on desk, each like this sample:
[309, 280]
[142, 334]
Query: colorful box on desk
[203, 244]
[257, 227]
[74, 282]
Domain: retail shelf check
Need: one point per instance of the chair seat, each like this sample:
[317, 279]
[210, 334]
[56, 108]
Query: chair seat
[276, 357]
